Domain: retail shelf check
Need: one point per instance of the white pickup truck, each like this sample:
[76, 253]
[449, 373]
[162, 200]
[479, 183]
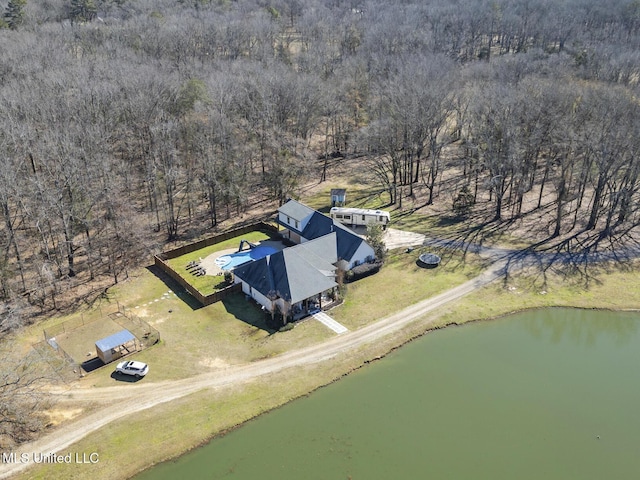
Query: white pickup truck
[137, 369]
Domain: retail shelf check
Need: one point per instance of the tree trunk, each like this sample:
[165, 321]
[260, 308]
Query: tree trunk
[597, 199]
[12, 242]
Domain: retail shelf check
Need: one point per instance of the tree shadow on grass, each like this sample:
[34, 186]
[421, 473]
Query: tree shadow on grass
[579, 256]
[584, 254]
[175, 287]
[449, 220]
[474, 234]
[248, 311]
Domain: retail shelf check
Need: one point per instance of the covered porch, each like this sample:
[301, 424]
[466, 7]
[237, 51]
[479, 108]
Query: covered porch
[321, 301]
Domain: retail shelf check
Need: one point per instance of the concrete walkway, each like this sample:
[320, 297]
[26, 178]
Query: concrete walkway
[330, 322]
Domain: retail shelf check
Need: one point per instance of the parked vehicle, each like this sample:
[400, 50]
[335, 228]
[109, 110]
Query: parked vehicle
[137, 369]
[360, 216]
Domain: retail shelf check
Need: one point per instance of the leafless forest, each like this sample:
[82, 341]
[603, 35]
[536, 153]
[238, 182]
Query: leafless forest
[128, 123]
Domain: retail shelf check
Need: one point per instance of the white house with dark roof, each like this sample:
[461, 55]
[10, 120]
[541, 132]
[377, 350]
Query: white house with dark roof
[294, 217]
[302, 224]
[294, 280]
[299, 278]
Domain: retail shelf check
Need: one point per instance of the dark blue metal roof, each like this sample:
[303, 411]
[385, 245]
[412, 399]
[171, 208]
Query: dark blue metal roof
[347, 241]
[317, 226]
[288, 275]
[115, 340]
[259, 275]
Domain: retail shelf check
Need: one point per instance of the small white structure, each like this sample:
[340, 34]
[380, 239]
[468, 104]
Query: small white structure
[115, 346]
[360, 216]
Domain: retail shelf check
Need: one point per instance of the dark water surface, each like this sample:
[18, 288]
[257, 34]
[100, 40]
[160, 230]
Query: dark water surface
[550, 394]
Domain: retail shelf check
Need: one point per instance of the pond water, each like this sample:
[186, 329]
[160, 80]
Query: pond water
[548, 394]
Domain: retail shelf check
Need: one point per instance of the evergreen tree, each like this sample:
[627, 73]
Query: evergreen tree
[375, 238]
[463, 203]
[83, 10]
[14, 13]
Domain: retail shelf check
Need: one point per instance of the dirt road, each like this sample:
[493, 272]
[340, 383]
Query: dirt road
[146, 395]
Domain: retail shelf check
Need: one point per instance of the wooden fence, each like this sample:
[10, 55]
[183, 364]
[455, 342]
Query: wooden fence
[204, 300]
[192, 247]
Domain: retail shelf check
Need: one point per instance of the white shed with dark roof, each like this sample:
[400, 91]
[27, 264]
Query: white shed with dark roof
[338, 197]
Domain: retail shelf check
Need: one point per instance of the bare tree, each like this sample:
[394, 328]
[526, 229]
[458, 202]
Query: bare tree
[607, 142]
[492, 134]
[22, 401]
[11, 178]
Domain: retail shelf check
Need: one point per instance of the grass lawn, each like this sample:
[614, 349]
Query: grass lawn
[358, 196]
[403, 283]
[606, 287]
[207, 284]
[196, 339]
[439, 226]
[436, 225]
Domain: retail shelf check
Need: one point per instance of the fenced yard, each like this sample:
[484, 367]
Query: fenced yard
[74, 340]
[208, 289]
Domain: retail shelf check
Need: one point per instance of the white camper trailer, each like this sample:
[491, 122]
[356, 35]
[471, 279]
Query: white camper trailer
[360, 216]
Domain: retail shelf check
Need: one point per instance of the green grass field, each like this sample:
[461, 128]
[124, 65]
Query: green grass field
[403, 283]
[207, 284]
[234, 332]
